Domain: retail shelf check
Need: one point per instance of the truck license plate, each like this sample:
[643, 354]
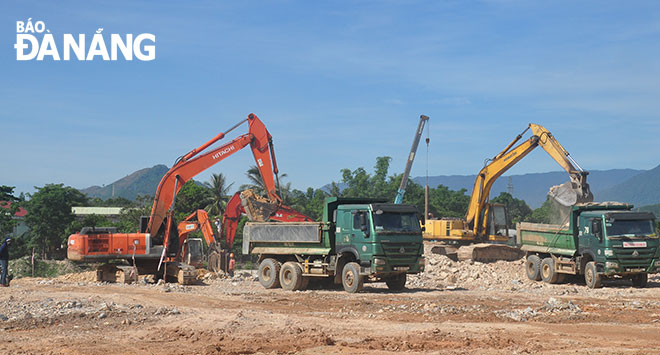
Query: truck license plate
[634, 244]
[636, 270]
[401, 268]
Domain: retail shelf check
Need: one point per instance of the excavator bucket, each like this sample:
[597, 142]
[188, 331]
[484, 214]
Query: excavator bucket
[257, 208]
[574, 191]
[568, 195]
[564, 194]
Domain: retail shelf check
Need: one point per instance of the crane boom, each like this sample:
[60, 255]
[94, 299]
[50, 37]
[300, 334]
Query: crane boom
[411, 157]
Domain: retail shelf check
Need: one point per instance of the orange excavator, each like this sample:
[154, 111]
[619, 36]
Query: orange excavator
[158, 248]
[191, 250]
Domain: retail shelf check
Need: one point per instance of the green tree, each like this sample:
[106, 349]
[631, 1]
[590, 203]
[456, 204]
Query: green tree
[129, 217]
[49, 216]
[219, 194]
[111, 202]
[542, 214]
[8, 208]
[518, 209]
[191, 197]
[444, 202]
[309, 203]
[359, 183]
[92, 220]
[335, 190]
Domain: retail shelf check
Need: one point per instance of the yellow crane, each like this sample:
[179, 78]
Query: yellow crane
[488, 222]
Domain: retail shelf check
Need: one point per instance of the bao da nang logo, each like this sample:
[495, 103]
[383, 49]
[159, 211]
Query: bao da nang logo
[35, 42]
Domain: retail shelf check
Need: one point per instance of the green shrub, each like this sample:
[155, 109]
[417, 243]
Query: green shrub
[22, 267]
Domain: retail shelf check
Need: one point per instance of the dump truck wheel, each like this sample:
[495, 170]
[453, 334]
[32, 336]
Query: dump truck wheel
[351, 278]
[591, 276]
[548, 273]
[397, 283]
[269, 271]
[291, 276]
[640, 280]
[533, 267]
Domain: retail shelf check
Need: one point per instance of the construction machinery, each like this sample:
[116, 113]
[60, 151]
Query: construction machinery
[411, 158]
[160, 247]
[488, 222]
[191, 251]
[247, 202]
[358, 240]
[602, 241]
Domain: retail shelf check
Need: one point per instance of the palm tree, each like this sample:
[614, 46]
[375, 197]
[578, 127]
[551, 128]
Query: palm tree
[219, 194]
[257, 183]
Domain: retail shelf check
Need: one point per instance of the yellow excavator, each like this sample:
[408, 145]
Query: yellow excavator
[487, 222]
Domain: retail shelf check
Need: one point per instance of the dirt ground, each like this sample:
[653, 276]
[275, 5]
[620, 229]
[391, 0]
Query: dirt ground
[73, 314]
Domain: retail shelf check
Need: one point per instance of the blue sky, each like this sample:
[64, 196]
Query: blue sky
[337, 84]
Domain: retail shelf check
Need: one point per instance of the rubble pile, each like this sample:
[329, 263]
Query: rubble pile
[442, 272]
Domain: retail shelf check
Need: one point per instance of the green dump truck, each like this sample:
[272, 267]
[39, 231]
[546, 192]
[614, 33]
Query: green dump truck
[358, 240]
[601, 241]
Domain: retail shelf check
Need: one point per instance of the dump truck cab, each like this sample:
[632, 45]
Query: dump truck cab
[602, 241]
[383, 237]
[620, 242]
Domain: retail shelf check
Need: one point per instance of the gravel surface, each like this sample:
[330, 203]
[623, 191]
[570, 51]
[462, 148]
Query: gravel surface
[454, 307]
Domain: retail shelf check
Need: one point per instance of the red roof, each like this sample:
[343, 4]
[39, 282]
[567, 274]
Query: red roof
[21, 211]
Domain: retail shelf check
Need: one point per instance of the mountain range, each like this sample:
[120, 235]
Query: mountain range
[142, 182]
[639, 187]
[606, 185]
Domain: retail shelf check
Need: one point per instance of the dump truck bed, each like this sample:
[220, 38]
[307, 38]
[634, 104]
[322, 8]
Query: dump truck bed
[545, 238]
[285, 238]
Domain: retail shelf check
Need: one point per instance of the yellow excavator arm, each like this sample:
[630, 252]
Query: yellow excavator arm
[579, 190]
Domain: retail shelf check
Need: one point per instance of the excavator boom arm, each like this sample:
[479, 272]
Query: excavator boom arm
[198, 220]
[491, 172]
[196, 161]
[509, 157]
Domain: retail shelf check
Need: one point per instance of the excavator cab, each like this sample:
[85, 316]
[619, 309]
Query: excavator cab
[193, 251]
[497, 222]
